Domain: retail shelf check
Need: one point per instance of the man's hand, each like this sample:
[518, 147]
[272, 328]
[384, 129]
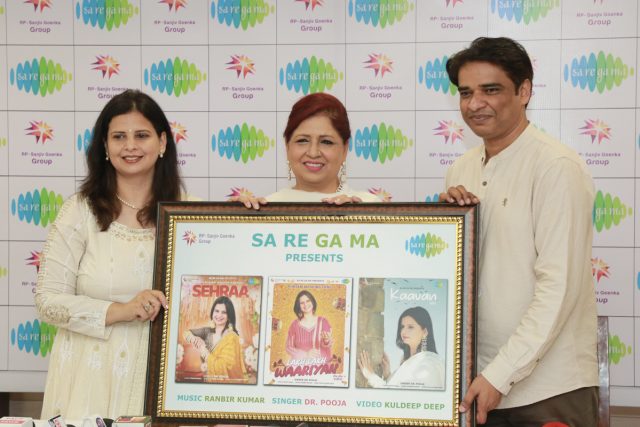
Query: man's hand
[487, 397]
[459, 195]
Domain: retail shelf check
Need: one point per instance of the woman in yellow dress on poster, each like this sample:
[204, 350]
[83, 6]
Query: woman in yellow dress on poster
[219, 345]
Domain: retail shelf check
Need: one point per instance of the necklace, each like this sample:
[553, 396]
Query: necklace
[124, 202]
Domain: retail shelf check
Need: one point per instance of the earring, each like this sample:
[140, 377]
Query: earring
[423, 344]
[161, 154]
[289, 172]
[107, 157]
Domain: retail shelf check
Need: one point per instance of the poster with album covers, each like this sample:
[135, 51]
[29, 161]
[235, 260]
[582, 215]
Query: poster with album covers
[174, 23]
[222, 189]
[382, 145]
[402, 333]
[218, 329]
[451, 20]
[308, 330]
[601, 137]
[41, 143]
[308, 69]
[381, 76]
[40, 74]
[102, 72]
[38, 22]
[613, 212]
[34, 204]
[242, 78]
[613, 277]
[177, 77]
[443, 137]
[30, 340]
[113, 23]
[599, 19]
[434, 90]
[384, 22]
[597, 73]
[621, 351]
[24, 262]
[239, 23]
[190, 131]
[525, 20]
[309, 22]
[242, 144]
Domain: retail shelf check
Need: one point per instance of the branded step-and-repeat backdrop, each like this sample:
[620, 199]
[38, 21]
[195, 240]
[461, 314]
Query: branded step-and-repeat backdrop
[227, 73]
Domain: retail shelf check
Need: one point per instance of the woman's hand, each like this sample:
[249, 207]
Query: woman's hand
[250, 202]
[144, 306]
[365, 363]
[326, 338]
[342, 199]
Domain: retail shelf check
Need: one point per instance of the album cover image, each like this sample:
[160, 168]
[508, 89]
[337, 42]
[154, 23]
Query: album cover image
[308, 337]
[218, 329]
[402, 331]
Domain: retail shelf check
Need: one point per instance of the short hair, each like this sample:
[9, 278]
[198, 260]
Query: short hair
[503, 52]
[231, 312]
[319, 104]
[422, 318]
[99, 186]
[296, 304]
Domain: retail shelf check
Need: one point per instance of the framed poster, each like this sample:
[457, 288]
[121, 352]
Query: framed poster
[329, 315]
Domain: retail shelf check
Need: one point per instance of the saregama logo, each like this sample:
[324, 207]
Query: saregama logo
[379, 12]
[380, 142]
[608, 211]
[241, 143]
[83, 140]
[425, 245]
[596, 129]
[526, 11]
[239, 13]
[599, 269]
[175, 4]
[618, 349]
[434, 76]
[173, 76]
[107, 65]
[310, 75]
[41, 76]
[597, 72]
[36, 337]
[40, 207]
[107, 14]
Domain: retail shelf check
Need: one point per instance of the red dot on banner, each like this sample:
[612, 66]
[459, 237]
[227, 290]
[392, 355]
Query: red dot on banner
[555, 424]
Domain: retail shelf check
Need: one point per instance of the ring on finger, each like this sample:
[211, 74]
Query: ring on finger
[147, 307]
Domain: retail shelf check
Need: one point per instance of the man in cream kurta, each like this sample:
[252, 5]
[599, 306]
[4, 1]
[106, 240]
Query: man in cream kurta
[536, 304]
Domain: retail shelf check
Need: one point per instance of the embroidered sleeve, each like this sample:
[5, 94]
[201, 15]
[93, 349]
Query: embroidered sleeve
[56, 299]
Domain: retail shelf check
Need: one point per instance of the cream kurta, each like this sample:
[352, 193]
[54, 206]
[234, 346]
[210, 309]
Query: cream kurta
[536, 303]
[93, 369]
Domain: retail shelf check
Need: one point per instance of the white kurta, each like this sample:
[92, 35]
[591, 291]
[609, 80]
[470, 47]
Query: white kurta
[94, 369]
[422, 370]
[293, 195]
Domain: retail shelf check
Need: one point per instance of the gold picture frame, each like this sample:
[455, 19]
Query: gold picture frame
[237, 344]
